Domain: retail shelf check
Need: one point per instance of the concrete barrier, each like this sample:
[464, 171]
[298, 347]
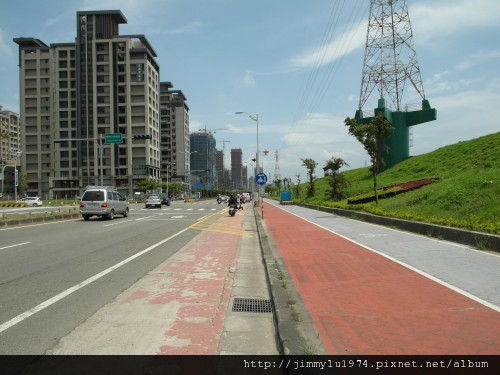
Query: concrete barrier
[39, 219]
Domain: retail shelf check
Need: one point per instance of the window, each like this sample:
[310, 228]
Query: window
[93, 195]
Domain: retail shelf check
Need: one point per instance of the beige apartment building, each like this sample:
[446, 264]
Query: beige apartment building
[10, 152]
[90, 109]
[174, 123]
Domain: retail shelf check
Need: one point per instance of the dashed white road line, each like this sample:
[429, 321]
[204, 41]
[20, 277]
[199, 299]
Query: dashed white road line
[67, 292]
[10, 246]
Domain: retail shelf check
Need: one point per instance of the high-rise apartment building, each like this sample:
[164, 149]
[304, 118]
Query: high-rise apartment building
[10, 150]
[175, 142]
[10, 134]
[75, 94]
[236, 168]
[203, 166]
[219, 167]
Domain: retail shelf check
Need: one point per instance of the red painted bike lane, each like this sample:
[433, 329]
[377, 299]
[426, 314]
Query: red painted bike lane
[363, 303]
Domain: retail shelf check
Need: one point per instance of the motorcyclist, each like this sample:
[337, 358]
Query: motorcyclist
[232, 200]
[240, 201]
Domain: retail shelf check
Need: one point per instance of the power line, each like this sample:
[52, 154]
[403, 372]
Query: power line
[344, 41]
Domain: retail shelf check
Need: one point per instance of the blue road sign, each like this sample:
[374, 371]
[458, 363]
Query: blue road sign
[261, 179]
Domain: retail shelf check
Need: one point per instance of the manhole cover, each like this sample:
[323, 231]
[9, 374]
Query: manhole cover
[254, 305]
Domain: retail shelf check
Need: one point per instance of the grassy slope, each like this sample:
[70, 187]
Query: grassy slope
[467, 194]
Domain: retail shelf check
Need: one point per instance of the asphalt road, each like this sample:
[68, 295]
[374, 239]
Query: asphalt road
[53, 276]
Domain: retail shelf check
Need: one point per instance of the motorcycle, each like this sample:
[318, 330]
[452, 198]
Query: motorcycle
[232, 210]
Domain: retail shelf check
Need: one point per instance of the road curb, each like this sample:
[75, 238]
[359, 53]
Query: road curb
[462, 236]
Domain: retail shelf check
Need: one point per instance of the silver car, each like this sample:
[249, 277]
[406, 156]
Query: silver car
[104, 202]
[153, 200]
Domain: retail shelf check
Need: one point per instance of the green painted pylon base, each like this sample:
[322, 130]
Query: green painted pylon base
[399, 140]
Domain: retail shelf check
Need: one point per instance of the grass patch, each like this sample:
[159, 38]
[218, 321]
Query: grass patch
[466, 194]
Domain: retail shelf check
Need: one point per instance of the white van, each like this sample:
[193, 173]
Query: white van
[103, 201]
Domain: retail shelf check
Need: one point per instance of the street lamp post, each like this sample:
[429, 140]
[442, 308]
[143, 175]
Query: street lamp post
[188, 171]
[101, 152]
[16, 178]
[253, 185]
[3, 176]
[256, 119]
[168, 167]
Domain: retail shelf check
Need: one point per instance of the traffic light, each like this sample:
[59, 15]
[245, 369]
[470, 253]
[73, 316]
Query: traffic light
[142, 136]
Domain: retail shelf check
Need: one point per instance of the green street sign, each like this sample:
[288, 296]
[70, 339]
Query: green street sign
[113, 138]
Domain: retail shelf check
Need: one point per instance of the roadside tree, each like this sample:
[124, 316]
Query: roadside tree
[336, 180]
[372, 137]
[147, 185]
[310, 165]
[296, 188]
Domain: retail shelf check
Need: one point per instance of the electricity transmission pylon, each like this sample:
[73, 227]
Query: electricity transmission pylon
[391, 67]
[277, 175]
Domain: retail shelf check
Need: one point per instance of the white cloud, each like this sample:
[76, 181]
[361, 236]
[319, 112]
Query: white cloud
[319, 137]
[5, 49]
[189, 28]
[194, 125]
[234, 129]
[462, 116]
[248, 79]
[61, 18]
[340, 46]
[437, 19]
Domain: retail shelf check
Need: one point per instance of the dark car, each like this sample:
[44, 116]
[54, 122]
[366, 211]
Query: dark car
[164, 199]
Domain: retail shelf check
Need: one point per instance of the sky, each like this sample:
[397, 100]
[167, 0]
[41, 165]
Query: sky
[296, 64]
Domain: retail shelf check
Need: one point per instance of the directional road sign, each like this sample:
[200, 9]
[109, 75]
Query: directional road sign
[261, 179]
[113, 138]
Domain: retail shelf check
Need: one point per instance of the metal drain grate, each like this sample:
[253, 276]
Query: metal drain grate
[252, 305]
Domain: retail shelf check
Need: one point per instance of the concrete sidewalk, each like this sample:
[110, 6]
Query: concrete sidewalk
[211, 297]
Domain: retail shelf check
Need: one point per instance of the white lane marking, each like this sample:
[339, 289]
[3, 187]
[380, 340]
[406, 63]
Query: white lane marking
[146, 217]
[118, 223]
[18, 244]
[372, 235]
[423, 273]
[67, 292]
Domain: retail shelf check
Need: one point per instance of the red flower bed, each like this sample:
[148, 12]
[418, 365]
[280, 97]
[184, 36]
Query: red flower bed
[392, 190]
[411, 184]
